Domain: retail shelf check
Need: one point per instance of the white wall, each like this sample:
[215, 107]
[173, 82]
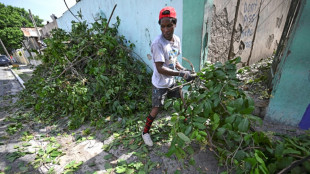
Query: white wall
[139, 19]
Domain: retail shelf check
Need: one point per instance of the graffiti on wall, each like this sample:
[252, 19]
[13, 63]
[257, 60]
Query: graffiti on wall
[249, 15]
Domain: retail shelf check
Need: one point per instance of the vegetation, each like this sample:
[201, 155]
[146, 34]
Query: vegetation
[11, 20]
[217, 113]
[88, 74]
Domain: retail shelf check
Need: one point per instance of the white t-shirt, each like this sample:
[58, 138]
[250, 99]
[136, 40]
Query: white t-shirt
[167, 52]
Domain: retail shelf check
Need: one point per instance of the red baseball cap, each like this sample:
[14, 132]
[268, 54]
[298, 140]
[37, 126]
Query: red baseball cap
[170, 13]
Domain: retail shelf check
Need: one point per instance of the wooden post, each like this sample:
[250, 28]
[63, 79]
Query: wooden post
[233, 31]
[6, 51]
[35, 25]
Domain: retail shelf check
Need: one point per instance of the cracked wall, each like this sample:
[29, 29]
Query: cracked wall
[220, 36]
[253, 36]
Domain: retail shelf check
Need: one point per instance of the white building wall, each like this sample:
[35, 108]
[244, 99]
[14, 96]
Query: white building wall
[139, 19]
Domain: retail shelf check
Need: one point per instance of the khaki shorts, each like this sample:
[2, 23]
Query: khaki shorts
[160, 94]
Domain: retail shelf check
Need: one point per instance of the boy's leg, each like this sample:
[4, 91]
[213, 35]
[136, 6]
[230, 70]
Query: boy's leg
[150, 119]
[158, 97]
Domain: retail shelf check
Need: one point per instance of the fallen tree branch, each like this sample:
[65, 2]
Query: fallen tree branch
[106, 27]
[294, 164]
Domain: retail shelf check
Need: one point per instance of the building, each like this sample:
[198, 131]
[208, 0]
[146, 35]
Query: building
[291, 69]
[31, 38]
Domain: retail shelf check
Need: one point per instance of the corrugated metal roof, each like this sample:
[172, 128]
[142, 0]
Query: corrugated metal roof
[30, 32]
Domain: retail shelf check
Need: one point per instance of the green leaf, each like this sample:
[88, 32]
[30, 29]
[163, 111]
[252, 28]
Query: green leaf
[272, 168]
[244, 125]
[216, 118]
[171, 151]
[177, 172]
[188, 130]
[130, 171]
[26, 144]
[220, 131]
[133, 147]
[167, 104]
[199, 108]
[259, 159]
[56, 153]
[200, 119]
[240, 155]
[192, 161]
[255, 118]
[291, 151]
[219, 74]
[107, 166]
[251, 161]
[279, 150]
[177, 105]
[106, 157]
[136, 165]
[199, 125]
[121, 169]
[230, 119]
[248, 110]
[174, 119]
[183, 137]
[207, 109]
[238, 103]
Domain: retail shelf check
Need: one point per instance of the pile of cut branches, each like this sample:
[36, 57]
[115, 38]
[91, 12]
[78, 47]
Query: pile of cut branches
[218, 114]
[88, 74]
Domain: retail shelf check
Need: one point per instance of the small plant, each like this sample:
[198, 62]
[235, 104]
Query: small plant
[13, 128]
[26, 136]
[49, 154]
[86, 132]
[134, 167]
[72, 167]
[15, 155]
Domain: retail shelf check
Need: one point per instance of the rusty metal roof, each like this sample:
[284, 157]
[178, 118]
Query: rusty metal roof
[30, 32]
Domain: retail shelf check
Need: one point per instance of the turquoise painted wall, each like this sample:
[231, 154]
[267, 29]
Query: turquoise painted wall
[193, 17]
[206, 31]
[139, 19]
[291, 91]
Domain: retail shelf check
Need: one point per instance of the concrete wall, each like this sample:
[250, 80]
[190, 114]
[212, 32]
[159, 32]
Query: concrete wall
[21, 56]
[291, 90]
[221, 29]
[193, 16]
[246, 23]
[269, 29]
[46, 30]
[139, 19]
[254, 35]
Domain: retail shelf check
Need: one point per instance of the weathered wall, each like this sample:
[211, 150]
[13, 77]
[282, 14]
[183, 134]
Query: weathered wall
[246, 23]
[291, 88]
[46, 30]
[139, 20]
[255, 33]
[269, 29]
[221, 29]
